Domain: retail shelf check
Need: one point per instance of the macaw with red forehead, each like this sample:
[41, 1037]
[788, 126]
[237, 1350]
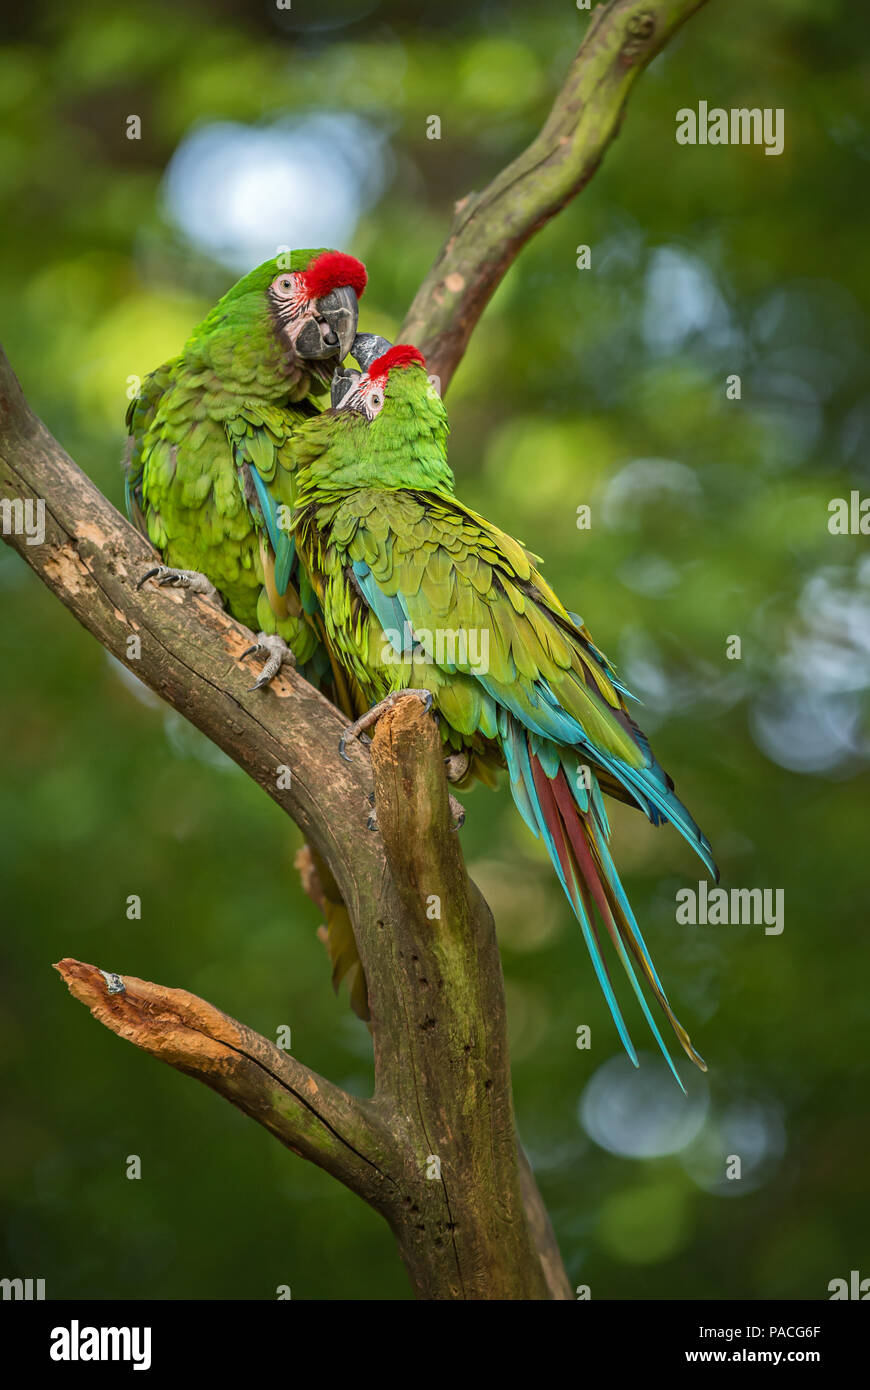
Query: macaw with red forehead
[420, 593]
[212, 429]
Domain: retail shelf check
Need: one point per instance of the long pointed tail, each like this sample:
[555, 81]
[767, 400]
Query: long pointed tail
[570, 818]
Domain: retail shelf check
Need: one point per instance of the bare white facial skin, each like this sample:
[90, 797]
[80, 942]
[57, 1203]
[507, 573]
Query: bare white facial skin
[315, 328]
[365, 396]
[293, 306]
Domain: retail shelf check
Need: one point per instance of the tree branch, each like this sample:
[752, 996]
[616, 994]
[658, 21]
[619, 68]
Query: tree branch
[92, 558]
[490, 228]
[452, 1197]
[435, 1149]
[314, 1118]
[440, 1048]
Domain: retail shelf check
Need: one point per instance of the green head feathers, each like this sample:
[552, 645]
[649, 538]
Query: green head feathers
[388, 428]
[295, 315]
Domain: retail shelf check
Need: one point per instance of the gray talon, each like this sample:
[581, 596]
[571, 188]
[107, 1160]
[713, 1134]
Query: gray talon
[182, 579]
[350, 737]
[371, 717]
[279, 655]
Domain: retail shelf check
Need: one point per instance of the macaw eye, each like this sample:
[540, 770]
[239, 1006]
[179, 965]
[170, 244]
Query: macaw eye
[376, 400]
[283, 286]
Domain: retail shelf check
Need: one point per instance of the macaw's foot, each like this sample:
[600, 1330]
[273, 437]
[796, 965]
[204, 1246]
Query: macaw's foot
[183, 579]
[279, 655]
[371, 716]
[456, 766]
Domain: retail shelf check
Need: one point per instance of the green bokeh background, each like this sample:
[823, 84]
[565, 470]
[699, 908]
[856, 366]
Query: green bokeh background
[705, 262]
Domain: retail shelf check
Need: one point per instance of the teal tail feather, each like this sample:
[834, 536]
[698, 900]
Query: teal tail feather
[570, 819]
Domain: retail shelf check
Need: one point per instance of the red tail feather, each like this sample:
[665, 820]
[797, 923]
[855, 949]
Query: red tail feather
[562, 817]
[576, 837]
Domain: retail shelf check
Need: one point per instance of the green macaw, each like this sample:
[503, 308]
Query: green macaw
[212, 428]
[420, 593]
[210, 433]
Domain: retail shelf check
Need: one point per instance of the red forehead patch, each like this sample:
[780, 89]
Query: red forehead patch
[331, 271]
[402, 355]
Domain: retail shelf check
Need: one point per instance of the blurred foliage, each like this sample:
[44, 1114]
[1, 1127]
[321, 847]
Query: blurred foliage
[603, 387]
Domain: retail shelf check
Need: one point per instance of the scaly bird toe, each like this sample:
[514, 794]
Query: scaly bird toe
[279, 655]
[371, 717]
[182, 579]
[456, 766]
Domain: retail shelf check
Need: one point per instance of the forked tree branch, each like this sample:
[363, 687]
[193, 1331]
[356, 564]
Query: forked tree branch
[450, 1192]
[491, 228]
[435, 1149]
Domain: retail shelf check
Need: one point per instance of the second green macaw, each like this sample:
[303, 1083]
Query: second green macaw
[419, 592]
[211, 430]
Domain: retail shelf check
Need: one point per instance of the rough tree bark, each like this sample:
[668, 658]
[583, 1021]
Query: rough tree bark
[435, 1149]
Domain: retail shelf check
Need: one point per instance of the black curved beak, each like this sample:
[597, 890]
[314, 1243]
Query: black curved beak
[344, 381]
[331, 330]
